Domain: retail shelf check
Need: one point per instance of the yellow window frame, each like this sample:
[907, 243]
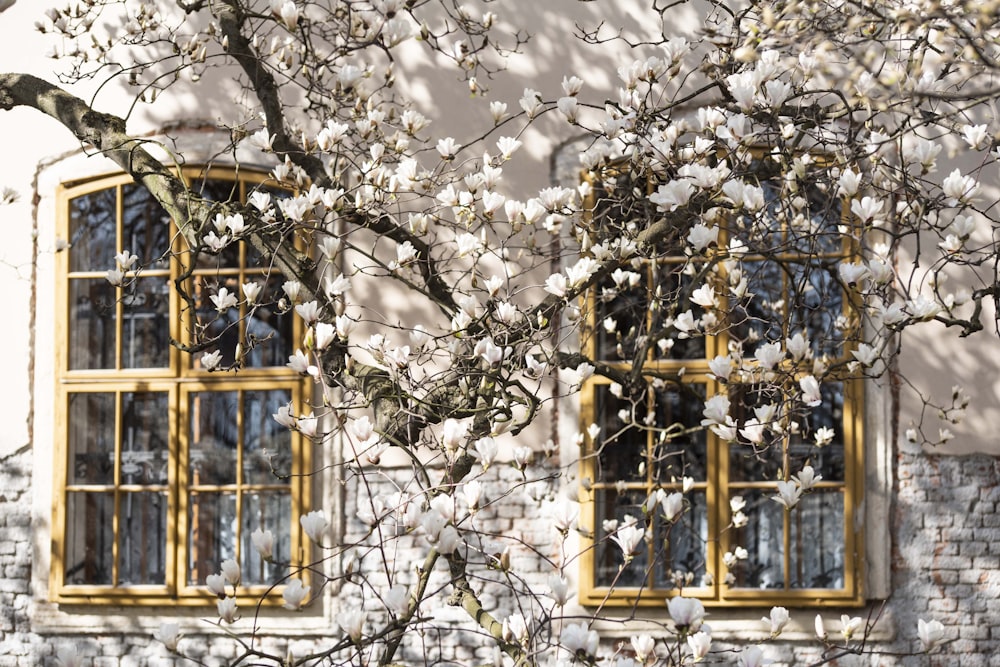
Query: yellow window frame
[178, 380]
[718, 487]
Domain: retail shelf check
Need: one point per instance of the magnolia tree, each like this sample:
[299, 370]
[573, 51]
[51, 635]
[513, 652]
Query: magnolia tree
[732, 185]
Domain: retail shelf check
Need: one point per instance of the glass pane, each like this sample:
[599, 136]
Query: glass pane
[817, 540]
[146, 323]
[816, 301]
[817, 229]
[214, 437]
[89, 538]
[681, 546]
[145, 448]
[267, 454]
[142, 524]
[266, 511]
[212, 532]
[758, 319]
[684, 455]
[91, 438]
[621, 450]
[763, 538]
[610, 510]
[92, 231]
[669, 303]
[146, 227]
[220, 330]
[92, 328]
[269, 332]
[626, 310]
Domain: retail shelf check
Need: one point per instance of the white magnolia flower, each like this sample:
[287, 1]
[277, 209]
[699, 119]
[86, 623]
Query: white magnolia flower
[294, 594]
[789, 494]
[670, 196]
[263, 543]
[700, 643]
[227, 609]
[930, 632]
[578, 640]
[628, 538]
[777, 620]
[687, 613]
[849, 625]
[314, 525]
[169, 634]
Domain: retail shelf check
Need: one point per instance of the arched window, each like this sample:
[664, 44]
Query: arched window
[733, 544]
[164, 468]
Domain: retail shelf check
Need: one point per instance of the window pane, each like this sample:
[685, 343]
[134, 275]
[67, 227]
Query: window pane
[682, 546]
[684, 455]
[146, 227]
[817, 540]
[763, 538]
[89, 538]
[146, 323]
[815, 303]
[672, 343]
[269, 332]
[758, 319]
[92, 438]
[92, 231]
[211, 535]
[626, 310]
[214, 437]
[92, 328]
[266, 511]
[145, 438]
[621, 450]
[222, 329]
[608, 558]
[267, 455]
[142, 524]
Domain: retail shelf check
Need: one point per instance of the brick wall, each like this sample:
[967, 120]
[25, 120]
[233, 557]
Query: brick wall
[946, 565]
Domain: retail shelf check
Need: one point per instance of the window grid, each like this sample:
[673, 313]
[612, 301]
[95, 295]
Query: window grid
[173, 375]
[718, 487]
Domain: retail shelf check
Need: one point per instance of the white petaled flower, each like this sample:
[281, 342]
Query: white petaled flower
[701, 236]
[227, 609]
[789, 494]
[975, 135]
[852, 273]
[453, 433]
[959, 189]
[224, 300]
[628, 538]
[687, 613]
[867, 208]
[752, 656]
[672, 505]
[169, 634]
[704, 296]
[211, 360]
[930, 632]
[579, 641]
[866, 354]
[559, 590]
[849, 625]
[352, 623]
[314, 525]
[488, 351]
[644, 647]
[295, 594]
[700, 643]
[126, 260]
[231, 571]
[291, 288]
[486, 449]
[289, 14]
[670, 196]
[397, 600]
[568, 106]
[811, 394]
[308, 311]
[777, 620]
[216, 583]
[807, 478]
[263, 543]
[447, 148]
[251, 291]
[498, 110]
[325, 333]
[721, 367]
[768, 355]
